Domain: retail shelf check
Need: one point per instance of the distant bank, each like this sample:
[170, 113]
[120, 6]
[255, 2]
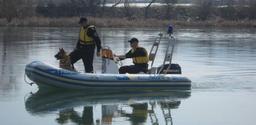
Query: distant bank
[123, 22]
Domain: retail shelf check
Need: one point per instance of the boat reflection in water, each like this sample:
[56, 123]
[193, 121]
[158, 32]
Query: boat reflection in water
[89, 107]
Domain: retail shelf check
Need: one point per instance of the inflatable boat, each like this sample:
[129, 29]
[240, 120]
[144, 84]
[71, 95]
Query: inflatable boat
[167, 75]
[45, 75]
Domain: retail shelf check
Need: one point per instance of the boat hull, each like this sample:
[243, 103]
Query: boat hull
[45, 75]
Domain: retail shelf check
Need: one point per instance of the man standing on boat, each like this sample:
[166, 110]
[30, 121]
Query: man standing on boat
[88, 39]
[139, 56]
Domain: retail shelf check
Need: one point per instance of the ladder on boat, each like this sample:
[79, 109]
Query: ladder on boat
[154, 49]
[168, 53]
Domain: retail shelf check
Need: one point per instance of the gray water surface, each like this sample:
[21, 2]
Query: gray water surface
[220, 63]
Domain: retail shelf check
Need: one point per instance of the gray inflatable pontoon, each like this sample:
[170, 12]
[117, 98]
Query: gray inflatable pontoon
[46, 75]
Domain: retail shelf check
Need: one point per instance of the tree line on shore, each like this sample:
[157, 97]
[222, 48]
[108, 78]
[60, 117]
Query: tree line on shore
[201, 10]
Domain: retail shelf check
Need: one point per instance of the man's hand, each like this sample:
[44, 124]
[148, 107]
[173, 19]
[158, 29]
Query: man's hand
[98, 54]
[116, 59]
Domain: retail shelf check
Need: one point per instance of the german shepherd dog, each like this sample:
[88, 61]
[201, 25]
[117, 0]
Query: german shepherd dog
[64, 58]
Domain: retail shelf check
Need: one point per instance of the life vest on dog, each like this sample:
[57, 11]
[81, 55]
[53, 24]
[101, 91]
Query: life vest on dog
[83, 36]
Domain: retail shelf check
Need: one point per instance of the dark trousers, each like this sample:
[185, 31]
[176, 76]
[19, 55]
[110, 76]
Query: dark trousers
[86, 53]
[132, 69]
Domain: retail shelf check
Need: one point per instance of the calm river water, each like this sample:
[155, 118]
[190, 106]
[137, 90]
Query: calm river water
[220, 63]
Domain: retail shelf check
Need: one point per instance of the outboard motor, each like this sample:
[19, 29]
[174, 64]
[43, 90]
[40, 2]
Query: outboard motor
[174, 69]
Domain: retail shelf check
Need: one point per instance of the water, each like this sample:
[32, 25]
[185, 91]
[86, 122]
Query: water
[146, 4]
[220, 62]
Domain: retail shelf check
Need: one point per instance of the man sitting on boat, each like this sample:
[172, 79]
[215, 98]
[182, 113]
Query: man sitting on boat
[139, 56]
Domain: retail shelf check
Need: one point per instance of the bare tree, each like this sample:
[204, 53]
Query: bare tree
[103, 7]
[9, 9]
[204, 9]
[127, 9]
[169, 3]
[230, 2]
[88, 7]
[147, 8]
[27, 9]
[116, 3]
[15, 8]
[92, 6]
[252, 9]
[113, 7]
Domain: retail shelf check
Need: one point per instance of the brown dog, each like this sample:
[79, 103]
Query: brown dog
[65, 62]
[106, 53]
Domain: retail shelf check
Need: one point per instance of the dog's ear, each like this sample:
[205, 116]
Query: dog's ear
[62, 50]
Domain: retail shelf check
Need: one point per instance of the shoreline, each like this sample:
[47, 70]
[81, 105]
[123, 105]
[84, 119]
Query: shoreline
[124, 23]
